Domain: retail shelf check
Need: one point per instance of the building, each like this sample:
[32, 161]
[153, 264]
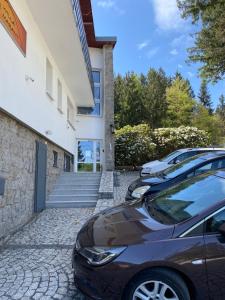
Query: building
[56, 101]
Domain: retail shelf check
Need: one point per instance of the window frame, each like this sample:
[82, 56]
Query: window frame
[55, 159]
[70, 113]
[59, 93]
[97, 101]
[186, 233]
[49, 79]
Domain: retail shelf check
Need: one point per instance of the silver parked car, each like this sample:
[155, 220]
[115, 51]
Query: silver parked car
[173, 158]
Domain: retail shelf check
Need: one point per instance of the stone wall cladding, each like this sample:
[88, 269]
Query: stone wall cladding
[108, 107]
[17, 166]
[106, 187]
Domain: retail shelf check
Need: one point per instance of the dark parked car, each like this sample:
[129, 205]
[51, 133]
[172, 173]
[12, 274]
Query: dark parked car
[171, 247]
[193, 166]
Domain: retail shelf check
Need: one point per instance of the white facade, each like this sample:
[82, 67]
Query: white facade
[23, 78]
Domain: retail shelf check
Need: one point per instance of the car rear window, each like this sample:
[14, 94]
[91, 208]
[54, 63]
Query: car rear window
[187, 199]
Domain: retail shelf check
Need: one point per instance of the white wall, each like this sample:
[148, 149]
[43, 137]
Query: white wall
[28, 100]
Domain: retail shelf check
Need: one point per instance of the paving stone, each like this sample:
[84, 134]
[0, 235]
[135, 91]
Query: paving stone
[36, 262]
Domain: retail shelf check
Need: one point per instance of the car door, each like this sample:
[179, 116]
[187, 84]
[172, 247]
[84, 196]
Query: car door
[215, 255]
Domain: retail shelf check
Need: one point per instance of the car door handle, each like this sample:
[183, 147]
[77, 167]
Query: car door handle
[197, 262]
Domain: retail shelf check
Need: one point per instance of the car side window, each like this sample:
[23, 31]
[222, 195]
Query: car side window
[184, 156]
[204, 169]
[213, 224]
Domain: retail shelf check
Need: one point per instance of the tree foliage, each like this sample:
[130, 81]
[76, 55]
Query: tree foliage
[210, 40]
[163, 101]
[180, 104]
[204, 97]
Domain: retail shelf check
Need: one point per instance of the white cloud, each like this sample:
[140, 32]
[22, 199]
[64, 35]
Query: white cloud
[167, 14]
[143, 45]
[152, 52]
[180, 66]
[110, 4]
[184, 40]
[106, 3]
[174, 52]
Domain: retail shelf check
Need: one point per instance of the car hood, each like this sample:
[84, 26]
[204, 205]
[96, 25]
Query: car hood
[156, 165]
[123, 225]
[147, 180]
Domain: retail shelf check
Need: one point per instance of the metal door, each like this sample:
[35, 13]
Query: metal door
[40, 177]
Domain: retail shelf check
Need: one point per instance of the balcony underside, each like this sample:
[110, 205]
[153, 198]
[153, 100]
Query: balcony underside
[56, 22]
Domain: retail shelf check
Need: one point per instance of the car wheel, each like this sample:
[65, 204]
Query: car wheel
[157, 285]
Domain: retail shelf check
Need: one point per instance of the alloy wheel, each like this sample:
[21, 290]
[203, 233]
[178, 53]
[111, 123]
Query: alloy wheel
[154, 290]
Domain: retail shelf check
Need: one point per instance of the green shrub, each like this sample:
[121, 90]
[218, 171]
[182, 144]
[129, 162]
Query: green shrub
[137, 145]
[170, 139]
[133, 145]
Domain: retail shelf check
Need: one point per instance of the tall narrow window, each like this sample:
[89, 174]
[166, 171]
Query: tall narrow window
[97, 109]
[70, 112]
[49, 78]
[59, 96]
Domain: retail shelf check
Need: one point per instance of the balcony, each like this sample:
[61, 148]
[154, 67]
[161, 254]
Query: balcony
[83, 39]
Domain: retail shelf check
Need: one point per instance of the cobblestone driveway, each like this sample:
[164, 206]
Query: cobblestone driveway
[36, 262]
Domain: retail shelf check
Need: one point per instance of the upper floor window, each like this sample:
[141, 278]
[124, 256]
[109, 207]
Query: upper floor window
[49, 78]
[59, 95]
[97, 109]
[70, 112]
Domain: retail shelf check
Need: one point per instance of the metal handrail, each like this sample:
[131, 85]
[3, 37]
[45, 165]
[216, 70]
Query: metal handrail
[83, 38]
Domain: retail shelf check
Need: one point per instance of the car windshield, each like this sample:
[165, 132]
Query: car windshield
[187, 199]
[180, 168]
[170, 156]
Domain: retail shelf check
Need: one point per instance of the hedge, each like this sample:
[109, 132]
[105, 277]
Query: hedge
[139, 144]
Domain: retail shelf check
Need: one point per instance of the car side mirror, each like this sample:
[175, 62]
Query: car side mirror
[221, 229]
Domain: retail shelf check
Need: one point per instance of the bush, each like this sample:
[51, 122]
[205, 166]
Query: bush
[170, 139]
[133, 145]
[137, 145]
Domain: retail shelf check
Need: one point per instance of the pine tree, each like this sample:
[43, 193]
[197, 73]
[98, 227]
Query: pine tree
[204, 97]
[209, 41]
[220, 110]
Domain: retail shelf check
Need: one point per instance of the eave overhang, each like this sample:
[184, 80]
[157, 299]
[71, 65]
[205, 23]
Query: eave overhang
[93, 41]
[57, 24]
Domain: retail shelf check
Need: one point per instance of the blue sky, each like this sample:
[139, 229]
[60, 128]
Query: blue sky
[150, 34]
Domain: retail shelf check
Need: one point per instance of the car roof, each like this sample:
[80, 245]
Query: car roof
[211, 155]
[201, 149]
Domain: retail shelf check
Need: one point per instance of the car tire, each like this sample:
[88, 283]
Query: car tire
[160, 280]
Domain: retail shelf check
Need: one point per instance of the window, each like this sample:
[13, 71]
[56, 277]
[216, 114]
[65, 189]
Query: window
[59, 96]
[49, 79]
[213, 224]
[187, 199]
[70, 112]
[55, 159]
[184, 156]
[97, 109]
[203, 169]
[179, 169]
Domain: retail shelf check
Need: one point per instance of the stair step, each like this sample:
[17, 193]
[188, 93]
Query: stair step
[80, 175]
[80, 198]
[78, 180]
[74, 191]
[76, 186]
[70, 204]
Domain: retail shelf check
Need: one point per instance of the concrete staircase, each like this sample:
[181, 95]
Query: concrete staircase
[75, 190]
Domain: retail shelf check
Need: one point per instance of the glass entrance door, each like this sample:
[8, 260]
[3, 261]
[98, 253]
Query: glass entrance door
[89, 156]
